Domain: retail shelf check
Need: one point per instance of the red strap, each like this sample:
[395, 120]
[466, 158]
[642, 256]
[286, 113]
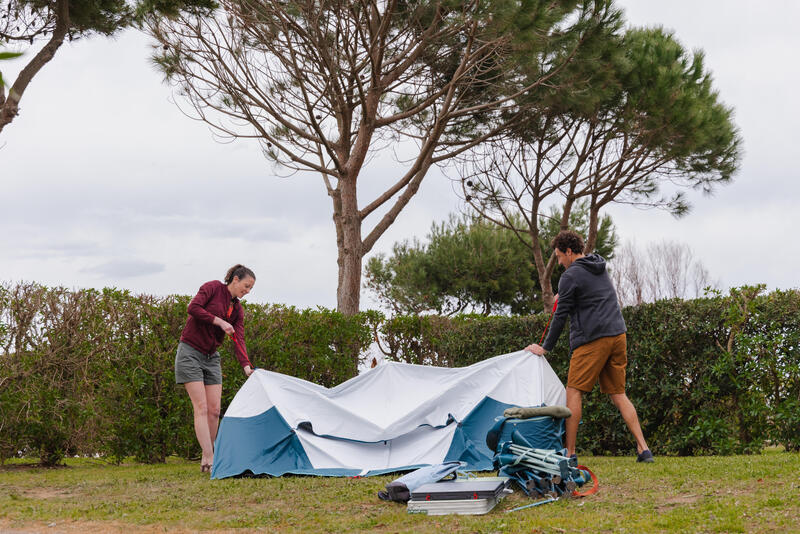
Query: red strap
[235, 339]
[555, 305]
[595, 484]
[241, 348]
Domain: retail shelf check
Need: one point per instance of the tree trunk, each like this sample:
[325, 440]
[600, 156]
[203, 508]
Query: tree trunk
[546, 270]
[545, 276]
[543, 270]
[591, 239]
[348, 223]
[566, 211]
[9, 106]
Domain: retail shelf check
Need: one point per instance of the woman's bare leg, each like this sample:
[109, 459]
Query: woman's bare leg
[197, 392]
[213, 401]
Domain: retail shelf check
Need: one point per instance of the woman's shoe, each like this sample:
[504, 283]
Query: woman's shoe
[205, 468]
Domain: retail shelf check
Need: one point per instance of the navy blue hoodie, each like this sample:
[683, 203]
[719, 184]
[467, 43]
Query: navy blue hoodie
[587, 296]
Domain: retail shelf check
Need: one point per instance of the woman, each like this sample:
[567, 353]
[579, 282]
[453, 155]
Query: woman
[213, 313]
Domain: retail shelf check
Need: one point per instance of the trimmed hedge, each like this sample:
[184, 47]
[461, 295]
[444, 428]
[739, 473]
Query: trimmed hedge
[91, 372]
[707, 376]
[461, 340]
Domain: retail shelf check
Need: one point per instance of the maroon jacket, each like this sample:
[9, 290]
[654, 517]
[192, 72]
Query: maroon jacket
[214, 300]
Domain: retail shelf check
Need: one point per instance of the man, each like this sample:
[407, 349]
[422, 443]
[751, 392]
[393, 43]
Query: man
[596, 337]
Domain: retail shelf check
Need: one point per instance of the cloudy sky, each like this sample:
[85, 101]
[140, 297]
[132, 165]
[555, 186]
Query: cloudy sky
[106, 183]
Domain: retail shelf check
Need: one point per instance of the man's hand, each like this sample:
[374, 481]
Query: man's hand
[248, 370]
[535, 349]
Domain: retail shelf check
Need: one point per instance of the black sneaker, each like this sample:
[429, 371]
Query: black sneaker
[645, 456]
[573, 460]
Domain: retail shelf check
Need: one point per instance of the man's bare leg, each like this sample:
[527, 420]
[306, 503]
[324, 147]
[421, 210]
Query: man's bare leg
[575, 405]
[628, 412]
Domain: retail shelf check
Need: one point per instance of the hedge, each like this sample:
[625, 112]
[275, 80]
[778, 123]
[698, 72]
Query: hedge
[718, 375]
[91, 372]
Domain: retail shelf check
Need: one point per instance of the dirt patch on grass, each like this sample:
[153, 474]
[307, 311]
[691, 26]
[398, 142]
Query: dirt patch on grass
[26, 466]
[91, 527]
[677, 500]
[47, 493]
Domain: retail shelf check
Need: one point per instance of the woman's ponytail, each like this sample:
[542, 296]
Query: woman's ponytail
[239, 271]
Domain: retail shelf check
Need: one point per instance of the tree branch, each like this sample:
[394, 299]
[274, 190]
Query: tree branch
[10, 107]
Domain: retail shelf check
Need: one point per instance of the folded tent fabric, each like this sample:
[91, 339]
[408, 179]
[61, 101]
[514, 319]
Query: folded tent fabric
[393, 417]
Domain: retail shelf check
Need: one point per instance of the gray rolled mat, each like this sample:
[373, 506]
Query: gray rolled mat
[556, 412]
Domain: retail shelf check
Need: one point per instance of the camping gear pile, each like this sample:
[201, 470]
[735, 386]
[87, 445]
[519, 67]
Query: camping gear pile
[443, 489]
[446, 489]
[541, 472]
[527, 445]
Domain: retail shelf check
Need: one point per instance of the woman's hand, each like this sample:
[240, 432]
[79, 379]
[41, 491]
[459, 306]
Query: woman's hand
[248, 370]
[225, 325]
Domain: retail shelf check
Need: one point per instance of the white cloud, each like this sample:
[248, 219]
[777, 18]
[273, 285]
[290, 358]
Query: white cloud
[106, 183]
[125, 268]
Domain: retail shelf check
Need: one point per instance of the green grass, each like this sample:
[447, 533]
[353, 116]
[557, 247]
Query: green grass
[701, 494]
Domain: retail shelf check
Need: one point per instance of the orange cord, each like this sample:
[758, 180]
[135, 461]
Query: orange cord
[595, 484]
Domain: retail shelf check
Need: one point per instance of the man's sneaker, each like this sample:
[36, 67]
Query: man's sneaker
[645, 456]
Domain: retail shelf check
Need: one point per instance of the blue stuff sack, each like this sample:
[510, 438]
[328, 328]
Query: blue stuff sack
[399, 490]
[541, 432]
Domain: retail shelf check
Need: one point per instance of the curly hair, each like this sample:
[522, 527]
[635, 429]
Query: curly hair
[567, 239]
[240, 272]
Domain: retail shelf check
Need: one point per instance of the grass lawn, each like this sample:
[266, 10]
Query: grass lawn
[701, 494]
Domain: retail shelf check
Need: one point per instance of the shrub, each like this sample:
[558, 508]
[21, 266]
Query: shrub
[718, 375]
[84, 372]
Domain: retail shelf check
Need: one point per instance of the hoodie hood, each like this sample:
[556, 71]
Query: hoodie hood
[594, 263]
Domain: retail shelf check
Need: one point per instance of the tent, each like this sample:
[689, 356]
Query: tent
[394, 417]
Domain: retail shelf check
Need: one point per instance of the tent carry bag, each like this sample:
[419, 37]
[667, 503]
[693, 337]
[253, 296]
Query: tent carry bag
[399, 490]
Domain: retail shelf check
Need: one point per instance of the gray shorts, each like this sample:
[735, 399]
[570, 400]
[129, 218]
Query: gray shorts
[191, 365]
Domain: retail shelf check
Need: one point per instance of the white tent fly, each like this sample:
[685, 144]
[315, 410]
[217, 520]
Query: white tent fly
[393, 417]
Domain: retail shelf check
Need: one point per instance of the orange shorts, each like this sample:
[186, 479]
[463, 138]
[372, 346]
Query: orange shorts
[604, 359]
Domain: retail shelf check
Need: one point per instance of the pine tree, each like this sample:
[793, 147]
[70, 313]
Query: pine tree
[54, 21]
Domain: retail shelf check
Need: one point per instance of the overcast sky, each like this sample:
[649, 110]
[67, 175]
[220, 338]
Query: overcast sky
[106, 183]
